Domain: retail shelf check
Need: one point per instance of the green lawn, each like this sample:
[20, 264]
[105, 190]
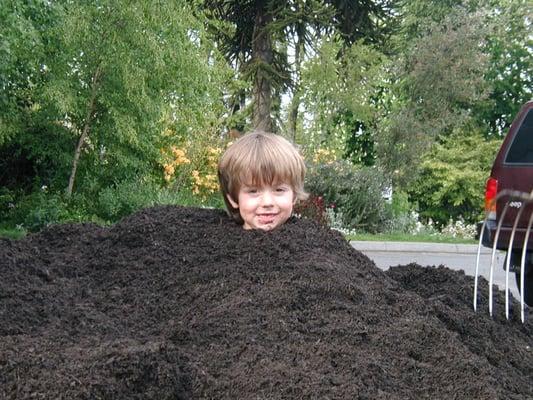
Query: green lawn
[12, 233]
[403, 237]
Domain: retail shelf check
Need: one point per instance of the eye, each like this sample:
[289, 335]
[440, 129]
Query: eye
[282, 188]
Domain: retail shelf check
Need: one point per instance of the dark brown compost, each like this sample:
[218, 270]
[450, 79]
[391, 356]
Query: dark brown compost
[181, 303]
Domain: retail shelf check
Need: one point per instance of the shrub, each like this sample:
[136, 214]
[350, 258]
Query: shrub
[193, 165]
[122, 199]
[356, 192]
[313, 208]
[127, 197]
[459, 229]
[402, 216]
[45, 211]
[452, 179]
[7, 202]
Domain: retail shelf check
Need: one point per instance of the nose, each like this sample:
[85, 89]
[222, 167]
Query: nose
[267, 199]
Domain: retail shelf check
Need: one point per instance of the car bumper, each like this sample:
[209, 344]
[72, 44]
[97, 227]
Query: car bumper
[489, 235]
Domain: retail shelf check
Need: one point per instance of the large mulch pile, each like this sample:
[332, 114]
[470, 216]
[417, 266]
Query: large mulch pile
[181, 303]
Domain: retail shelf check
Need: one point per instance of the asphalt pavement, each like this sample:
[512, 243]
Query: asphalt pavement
[413, 247]
[454, 256]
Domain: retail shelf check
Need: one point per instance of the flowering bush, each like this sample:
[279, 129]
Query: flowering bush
[324, 156]
[192, 167]
[459, 229]
[177, 157]
[335, 221]
[405, 222]
[205, 180]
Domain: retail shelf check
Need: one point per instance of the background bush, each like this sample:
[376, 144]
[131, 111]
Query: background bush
[127, 197]
[355, 192]
[452, 180]
[403, 217]
[42, 208]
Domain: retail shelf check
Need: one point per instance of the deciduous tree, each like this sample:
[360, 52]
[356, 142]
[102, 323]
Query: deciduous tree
[436, 84]
[339, 95]
[114, 72]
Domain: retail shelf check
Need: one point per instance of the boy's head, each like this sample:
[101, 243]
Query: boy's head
[261, 177]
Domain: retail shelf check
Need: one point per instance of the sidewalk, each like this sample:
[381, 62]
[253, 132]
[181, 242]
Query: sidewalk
[411, 247]
[459, 257]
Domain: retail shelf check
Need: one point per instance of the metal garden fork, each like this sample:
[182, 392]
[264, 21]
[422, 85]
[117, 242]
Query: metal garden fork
[514, 197]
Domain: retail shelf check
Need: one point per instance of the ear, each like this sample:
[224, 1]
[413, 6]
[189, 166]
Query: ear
[233, 203]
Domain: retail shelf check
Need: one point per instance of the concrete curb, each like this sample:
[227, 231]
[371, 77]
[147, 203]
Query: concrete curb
[416, 247]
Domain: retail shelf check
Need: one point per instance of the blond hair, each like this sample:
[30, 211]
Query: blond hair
[260, 159]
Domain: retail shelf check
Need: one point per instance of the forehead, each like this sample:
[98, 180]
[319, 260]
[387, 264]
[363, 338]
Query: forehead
[259, 185]
[249, 178]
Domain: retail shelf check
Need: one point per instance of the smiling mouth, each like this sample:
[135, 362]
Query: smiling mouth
[266, 218]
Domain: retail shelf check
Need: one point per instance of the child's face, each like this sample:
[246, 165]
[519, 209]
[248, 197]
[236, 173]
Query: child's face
[264, 207]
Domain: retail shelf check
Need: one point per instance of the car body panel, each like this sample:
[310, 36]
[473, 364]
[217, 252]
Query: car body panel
[513, 171]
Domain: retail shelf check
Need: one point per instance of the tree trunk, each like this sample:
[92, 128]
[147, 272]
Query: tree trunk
[262, 59]
[91, 108]
[296, 95]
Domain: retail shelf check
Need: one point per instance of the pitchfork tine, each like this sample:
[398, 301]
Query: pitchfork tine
[523, 264]
[477, 259]
[526, 199]
[476, 276]
[508, 259]
[496, 236]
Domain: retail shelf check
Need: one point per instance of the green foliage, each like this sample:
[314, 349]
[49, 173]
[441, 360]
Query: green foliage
[510, 72]
[402, 216]
[41, 208]
[400, 203]
[439, 81]
[452, 179]
[409, 237]
[446, 69]
[262, 31]
[508, 45]
[22, 48]
[43, 211]
[355, 192]
[123, 199]
[418, 14]
[141, 78]
[7, 201]
[339, 97]
[127, 197]
[121, 72]
[12, 233]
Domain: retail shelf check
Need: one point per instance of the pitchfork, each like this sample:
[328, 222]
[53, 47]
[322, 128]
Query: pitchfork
[513, 196]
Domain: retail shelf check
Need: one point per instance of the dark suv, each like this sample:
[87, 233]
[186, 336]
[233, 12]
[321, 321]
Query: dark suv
[513, 171]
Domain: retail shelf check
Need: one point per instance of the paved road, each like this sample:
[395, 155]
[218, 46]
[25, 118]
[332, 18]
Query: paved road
[454, 256]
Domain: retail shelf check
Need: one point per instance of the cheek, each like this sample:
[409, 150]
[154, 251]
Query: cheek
[288, 202]
[247, 202]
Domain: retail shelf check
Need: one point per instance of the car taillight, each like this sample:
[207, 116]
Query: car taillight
[490, 197]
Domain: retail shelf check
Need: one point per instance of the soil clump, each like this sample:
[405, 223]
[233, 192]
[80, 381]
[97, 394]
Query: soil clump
[181, 303]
